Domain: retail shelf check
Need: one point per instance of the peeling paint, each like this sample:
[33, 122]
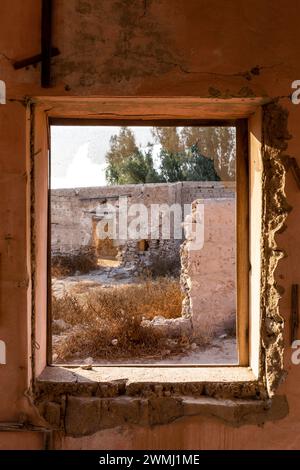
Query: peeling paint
[132, 45]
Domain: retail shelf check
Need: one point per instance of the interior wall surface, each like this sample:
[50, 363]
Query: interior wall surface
[173, 48]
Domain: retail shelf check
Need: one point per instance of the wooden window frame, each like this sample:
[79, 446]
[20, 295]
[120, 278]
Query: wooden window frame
[242, 381]
[242, 221]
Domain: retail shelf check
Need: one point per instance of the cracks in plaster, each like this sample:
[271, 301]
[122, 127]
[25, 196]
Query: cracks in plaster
[248, 74]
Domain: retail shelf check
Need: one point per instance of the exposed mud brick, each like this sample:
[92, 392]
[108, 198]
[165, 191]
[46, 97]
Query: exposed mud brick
[163, 410]
[52, 413]
[119, 411]
[82, 415]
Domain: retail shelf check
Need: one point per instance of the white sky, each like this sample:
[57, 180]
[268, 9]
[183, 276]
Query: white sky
[78, 153]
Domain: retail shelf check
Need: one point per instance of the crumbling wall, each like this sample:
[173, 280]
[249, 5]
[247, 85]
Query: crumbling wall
[74, 214]
[209, 266]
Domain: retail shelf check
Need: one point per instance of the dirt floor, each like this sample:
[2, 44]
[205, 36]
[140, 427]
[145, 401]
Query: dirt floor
[221, 351]
[106, 276]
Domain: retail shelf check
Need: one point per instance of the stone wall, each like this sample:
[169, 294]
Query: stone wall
[209, 267]
[75, 214]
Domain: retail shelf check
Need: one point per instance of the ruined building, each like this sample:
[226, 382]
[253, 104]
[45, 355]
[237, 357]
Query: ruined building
[76, 213]
[233, 62]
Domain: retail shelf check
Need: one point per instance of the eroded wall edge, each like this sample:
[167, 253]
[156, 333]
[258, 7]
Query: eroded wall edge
[274, 213]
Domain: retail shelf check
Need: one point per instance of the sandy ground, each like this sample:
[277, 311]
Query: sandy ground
[107, 276]
[221, 351]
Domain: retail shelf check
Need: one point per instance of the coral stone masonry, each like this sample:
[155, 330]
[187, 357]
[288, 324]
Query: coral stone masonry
[75, 214]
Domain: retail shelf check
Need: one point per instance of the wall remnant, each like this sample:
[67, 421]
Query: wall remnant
[75, 214]
[208, 274]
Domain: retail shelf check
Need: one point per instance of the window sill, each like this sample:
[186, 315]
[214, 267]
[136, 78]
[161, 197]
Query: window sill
[112, 381]
[147, 375]
[81, 402]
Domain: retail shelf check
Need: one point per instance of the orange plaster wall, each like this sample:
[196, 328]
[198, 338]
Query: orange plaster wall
[113, 48]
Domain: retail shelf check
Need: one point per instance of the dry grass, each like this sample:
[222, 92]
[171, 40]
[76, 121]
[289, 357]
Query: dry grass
[204, 339]
[105, 314]
[68, 265]
[163, 267]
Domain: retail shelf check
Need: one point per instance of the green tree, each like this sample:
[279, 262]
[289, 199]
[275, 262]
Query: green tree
[181, 157]
[126, 163]
[122, 146]
[218, 143]
[169, 139]
[198, 167]
[138, 168]
[171, 164]
[190, 165]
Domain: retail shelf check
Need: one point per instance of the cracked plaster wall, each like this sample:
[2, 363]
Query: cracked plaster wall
[155, 48]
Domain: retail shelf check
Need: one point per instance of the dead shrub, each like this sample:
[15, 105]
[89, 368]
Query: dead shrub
[205, 337]
[163, 267]
[115, 313]
[67, 308]
[63, 265]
